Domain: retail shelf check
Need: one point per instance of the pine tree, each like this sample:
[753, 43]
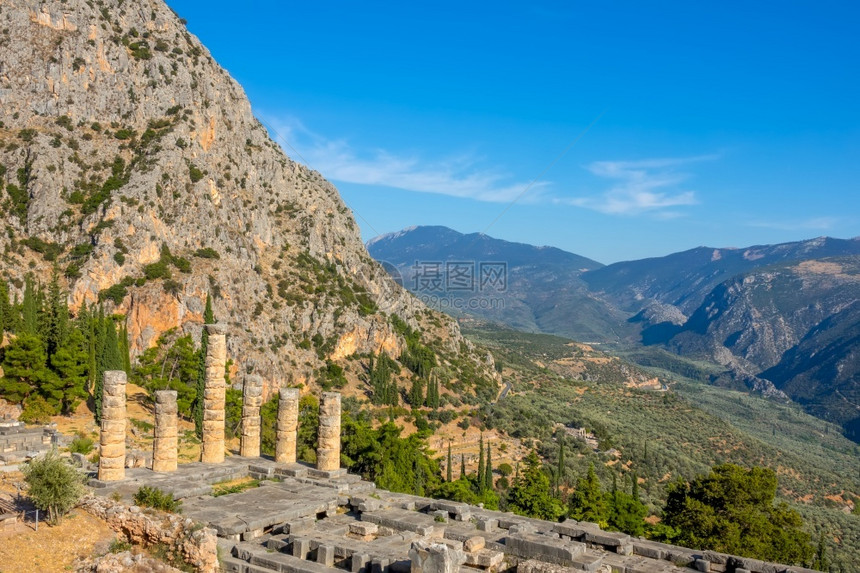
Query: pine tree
[530, 495]
[68, 388]
[481, 480]
[450, 472]
[587, 502]
[197, 409]
[488, 473]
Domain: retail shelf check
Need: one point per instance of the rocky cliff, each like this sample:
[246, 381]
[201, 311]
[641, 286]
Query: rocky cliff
[132, 163]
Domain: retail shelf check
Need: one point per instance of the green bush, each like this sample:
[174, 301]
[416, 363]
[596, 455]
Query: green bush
[37, 410]
[194, 173]
[55, 486]
[81, 445]
[207, 253]
[153, 497]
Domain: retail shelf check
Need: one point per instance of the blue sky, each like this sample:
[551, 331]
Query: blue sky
[615, 130]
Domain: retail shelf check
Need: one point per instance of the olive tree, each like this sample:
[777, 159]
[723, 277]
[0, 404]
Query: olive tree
[55, 486]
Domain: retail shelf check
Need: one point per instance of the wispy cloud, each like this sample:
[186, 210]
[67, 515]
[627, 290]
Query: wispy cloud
[457, 176]
[645, 186]
[810, 224]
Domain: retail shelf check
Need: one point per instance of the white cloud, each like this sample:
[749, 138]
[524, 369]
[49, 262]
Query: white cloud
[455, 176]
[645, 186]
[812, 223]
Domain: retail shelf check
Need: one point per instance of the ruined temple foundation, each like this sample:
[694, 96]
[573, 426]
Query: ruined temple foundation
[328, 452]
[112, 435]
[213, 395]
[288, 423]
[252, 400]
[165, 444]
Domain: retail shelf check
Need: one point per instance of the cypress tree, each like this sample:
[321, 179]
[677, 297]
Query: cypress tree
[124, 350]
[416, 394]
[462, 466]
[5, 308]
[481, 479]
[197, 409]
[635, 492]
[488, 473]
[29, 311]
[449, 471]
[56, 316]
[112, 354]
[99, 335]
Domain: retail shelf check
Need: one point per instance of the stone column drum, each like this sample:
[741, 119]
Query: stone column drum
[252, 399]
[112, 435]
[328, 452]
[166, 442]
[288, 425]
[213, 395]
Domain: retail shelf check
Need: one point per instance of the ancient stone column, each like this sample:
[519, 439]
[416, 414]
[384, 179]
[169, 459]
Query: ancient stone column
[328, 450]
[213, 395]
[166, 442]
[252, 399]
[112, 435]
[288, 424]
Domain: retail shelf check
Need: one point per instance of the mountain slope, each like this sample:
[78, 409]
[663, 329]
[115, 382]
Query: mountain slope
[794, 324]
[684, 279]
[542, 289]
[132, 162]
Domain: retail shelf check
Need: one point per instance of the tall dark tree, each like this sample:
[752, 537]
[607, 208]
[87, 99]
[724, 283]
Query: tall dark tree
[6, 317]
[29, 308]
[481, 483]
[432, 400]
[208, 318]
[449, 471]
[416, 393]
[462, 466]
[488, 472]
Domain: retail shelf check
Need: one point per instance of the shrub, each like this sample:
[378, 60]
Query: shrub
[207, 253]
[55, 486]
[37, 410]
[153, 497]
[81, 445]
[194, 173]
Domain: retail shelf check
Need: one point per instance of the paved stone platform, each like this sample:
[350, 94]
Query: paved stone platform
[302, 520]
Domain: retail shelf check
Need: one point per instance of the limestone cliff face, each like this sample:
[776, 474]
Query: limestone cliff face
[127, 155]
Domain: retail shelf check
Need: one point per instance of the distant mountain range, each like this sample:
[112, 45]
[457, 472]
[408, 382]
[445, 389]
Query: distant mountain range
[783, 319]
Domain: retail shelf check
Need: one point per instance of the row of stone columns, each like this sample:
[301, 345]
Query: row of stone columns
[165, 443]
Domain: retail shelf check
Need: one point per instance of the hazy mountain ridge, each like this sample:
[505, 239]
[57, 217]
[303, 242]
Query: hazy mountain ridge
[133, 163]
[543, 284]
[781, 319]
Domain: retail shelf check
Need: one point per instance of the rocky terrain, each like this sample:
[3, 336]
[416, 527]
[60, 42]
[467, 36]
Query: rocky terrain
[132, 164]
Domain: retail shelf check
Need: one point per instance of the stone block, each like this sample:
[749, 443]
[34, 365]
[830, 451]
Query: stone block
[532, 545]
[474, 544]
[359, 563]
[363, 528]
[488, 524]
[325, 555]
[427, 557]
